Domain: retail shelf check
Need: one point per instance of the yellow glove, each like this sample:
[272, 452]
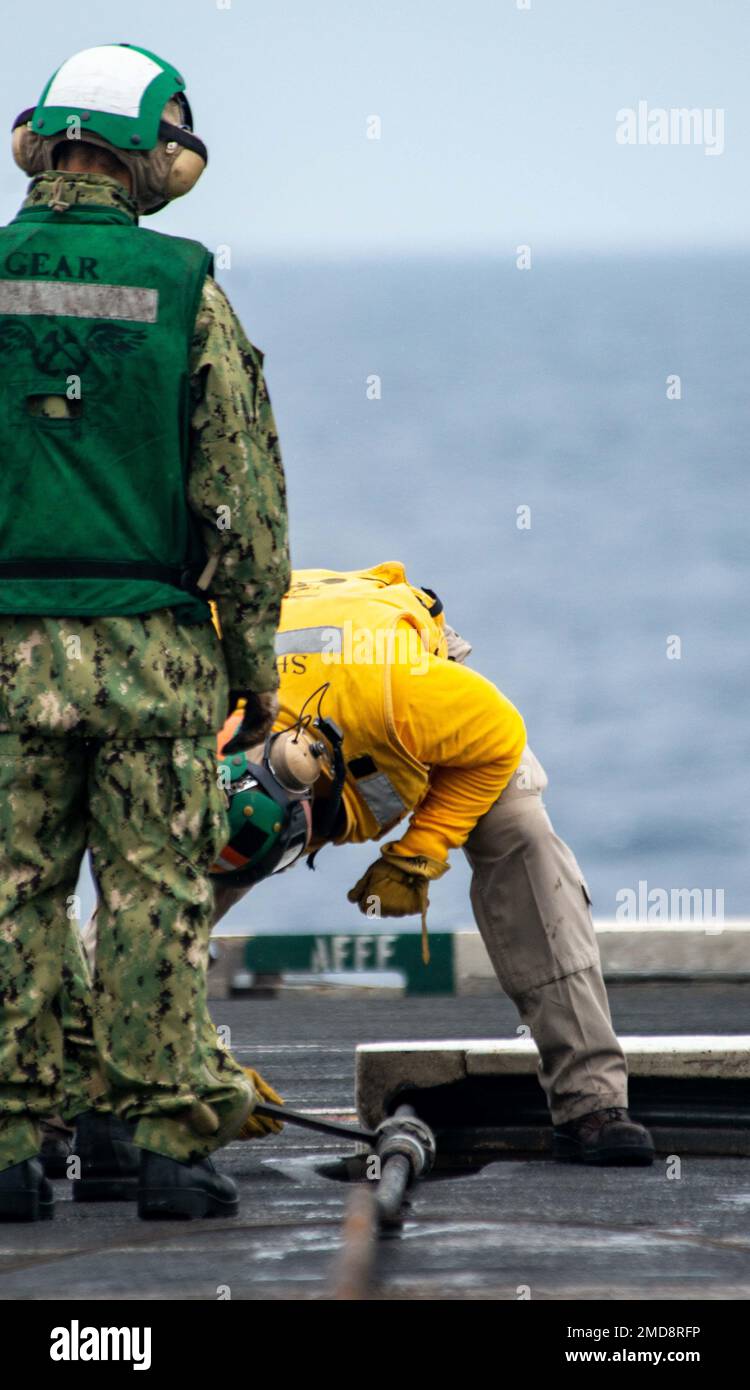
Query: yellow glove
[397, 886]
[259, 1126]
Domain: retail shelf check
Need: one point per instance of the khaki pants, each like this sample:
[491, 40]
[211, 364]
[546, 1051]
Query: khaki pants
[532, 907]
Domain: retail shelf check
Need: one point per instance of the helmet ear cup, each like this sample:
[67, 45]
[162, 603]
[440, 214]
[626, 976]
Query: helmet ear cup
[28, 149]
[185, 170]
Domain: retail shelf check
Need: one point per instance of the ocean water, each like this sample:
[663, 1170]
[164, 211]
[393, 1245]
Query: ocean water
[545, 388]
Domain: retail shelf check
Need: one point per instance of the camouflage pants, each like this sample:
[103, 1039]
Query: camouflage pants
[153, 818]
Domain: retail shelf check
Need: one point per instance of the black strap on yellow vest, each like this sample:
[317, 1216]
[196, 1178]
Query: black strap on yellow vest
[437, 605]
[332, 804]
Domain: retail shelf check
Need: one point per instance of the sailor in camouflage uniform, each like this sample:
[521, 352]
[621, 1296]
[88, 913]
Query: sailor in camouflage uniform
[141, 465]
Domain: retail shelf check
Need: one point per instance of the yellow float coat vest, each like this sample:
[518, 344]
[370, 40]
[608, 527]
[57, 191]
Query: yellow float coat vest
[346, 631]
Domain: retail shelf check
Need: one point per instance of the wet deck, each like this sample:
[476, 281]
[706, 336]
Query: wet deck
[559, 1232]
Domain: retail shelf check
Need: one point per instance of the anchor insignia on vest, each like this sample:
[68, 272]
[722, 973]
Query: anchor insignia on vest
[61, 351]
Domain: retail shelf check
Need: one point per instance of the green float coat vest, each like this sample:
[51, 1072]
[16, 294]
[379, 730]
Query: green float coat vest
[93, 512]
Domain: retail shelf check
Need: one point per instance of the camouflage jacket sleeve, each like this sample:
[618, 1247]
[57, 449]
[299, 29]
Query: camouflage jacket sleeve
[236, 486]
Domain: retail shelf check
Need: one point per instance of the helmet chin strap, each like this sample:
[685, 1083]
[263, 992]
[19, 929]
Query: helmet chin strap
[325, 826]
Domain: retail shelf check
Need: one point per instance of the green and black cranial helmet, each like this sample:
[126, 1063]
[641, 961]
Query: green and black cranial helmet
[128, 100]
[270, 827]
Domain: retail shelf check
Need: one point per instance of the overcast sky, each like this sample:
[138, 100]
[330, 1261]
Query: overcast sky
[498, 123]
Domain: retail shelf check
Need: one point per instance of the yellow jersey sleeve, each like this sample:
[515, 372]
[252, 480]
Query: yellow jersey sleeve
[472, 738]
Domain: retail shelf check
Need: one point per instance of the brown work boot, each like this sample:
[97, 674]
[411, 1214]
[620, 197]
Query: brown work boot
[604, 1137]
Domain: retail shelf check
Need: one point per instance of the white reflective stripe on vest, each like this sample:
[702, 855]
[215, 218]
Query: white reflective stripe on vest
[305, 641]
[381, 797]
[79, 301]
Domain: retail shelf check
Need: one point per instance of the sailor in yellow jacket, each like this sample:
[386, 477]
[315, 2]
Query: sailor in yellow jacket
[366, 655]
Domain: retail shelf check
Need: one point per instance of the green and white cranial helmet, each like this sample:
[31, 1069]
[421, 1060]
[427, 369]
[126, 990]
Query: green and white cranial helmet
[128, 100]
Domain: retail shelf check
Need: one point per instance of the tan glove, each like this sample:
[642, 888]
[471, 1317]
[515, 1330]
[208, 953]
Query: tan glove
[258, 714]
[397, 886]
[258, 1126]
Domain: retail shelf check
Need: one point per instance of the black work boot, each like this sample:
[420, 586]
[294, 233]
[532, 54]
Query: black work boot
[604, 1137]
[109, 1159]
[25, 1193]
[57, 1147]
[167, 1188]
